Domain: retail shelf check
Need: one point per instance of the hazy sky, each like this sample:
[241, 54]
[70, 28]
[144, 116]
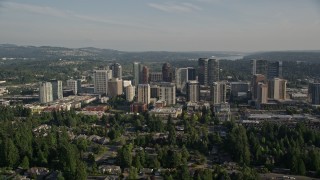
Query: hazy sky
[174, 25]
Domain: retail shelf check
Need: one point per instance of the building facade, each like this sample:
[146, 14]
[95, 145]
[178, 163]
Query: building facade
[213, 71]
[45, 92]
[57, 91]
[167, 93]
[100, 78]
[143, 93]
[116, 70]
[72, 85]
[218, 92]
[193, 91]
[203, 71]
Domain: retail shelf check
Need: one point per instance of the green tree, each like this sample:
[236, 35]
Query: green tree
[81, 171]
[133, 173]
[11, 153]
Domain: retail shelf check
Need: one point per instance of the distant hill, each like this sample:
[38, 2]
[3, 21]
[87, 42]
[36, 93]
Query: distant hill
[91, 53]
[305, 56]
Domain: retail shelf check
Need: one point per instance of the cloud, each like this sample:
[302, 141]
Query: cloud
[50, 11]
[175, 7]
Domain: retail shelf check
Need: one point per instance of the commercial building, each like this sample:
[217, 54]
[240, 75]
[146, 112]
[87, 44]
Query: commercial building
[192, 74]
[57, 91]
[45, 92]
[218, 91]
[274, 70]
[116, 70]
[193, 91]
[314, 93]
[181, 79]
[257, 78]
[262, 93]
[137, 69]
[100, 78]
[115, 87]
[156, 77]
[143, 93]
[145, 75]
[259, 67]
[203, 71]
[213, 71]
[239, 89]
[167, 73]
[155, 91]
[130, 92]
[277, 89]
[72, 85]
[168, 93]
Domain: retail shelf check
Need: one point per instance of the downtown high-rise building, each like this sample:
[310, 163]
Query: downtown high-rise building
[274, 70]
[72, 85]
[115, 87]
[130, 92]
[100, 78]
[167, 93]
[143, 93]
[256, 79]
[137, 70]
[45, 92]
[259, 67]
[57, 90]
[181, 79]
[192, 74]
[167, 73]
[145, 75]
[239, 88]
[213, 71]
[155, 76]
[277, 89]
[193, 91]
[218, 91]
[203, 71]
[116, 70]
[314, 93]
[262, 93]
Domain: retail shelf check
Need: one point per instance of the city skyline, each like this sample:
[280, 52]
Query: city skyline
[189, 25]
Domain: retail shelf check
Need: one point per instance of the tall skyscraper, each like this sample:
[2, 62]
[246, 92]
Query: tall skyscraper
[130, 92]
[193, 91]
[143, 93]
[213, 71]
[262, 93]
[257, 78]
[259, 66]
[45, 92]
[79, 87]
[168, 93]
[115, 87]
[218, 91]
[191, 74]
[137, 69]
[274, 70]
[167, 72]
[203, 71]
[145, 75]
[72, 85]
[314, 93]
[116, 70]
[181, 79]
[100, 78]
[57, 91]
[277, 89]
